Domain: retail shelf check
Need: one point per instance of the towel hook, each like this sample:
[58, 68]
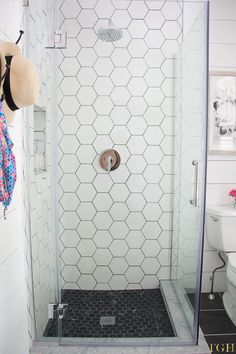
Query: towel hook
[19, 38]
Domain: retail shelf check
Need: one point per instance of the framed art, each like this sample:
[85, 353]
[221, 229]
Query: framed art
[222, 112]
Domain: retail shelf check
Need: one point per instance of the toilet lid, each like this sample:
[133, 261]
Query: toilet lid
[232, 260]
[221, 210]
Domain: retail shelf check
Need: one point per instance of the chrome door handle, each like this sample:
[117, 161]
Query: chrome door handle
[194, 200]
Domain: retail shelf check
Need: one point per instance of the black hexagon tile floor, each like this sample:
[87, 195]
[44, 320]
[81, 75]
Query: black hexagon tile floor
[112, 313]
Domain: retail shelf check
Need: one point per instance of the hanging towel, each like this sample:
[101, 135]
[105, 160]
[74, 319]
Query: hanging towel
[7, 164]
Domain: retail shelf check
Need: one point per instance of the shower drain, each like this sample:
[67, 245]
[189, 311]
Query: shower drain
[107, 320]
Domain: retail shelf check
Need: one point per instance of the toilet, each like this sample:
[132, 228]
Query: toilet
[221, 235]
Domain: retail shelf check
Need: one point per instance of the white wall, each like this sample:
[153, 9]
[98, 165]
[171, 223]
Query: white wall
[13, 308]
[221, 168]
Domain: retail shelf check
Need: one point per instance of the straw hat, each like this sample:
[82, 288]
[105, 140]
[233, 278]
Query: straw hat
[21, 84]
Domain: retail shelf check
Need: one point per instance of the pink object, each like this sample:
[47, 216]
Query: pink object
[232, 193]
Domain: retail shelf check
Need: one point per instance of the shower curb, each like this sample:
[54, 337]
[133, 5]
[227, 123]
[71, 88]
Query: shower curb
[48, 349]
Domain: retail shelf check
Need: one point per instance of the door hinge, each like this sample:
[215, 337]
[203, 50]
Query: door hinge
[62, 310]
[52, 311]
[25, 3]
[57, 311]
[59, 40]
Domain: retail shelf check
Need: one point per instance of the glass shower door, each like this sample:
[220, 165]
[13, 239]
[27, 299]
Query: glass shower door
[190, 169]
[189, 182]
[82, 187]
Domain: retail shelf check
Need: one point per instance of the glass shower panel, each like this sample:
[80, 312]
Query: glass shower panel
[104, 242]
[114, 228]
[40, 171]
[190, 168]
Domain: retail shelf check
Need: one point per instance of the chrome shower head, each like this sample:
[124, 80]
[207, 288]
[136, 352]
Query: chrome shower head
[110, 33]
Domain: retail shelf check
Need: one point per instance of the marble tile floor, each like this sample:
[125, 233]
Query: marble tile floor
[56, 349]
[216, 325]
[174, 345]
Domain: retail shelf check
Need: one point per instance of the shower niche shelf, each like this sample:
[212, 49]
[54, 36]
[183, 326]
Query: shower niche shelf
[39, 140]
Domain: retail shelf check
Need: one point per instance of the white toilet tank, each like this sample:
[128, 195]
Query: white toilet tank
[221, 227]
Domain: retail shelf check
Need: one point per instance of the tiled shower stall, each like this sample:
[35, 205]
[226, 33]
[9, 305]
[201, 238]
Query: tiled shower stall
[131, 229]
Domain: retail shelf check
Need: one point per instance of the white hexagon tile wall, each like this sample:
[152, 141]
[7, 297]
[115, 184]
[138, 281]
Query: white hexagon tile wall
[115, 228]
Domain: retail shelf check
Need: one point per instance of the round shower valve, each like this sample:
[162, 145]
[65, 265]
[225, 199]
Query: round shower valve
[110, 160]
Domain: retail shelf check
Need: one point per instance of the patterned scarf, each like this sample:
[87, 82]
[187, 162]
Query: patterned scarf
[7, 164]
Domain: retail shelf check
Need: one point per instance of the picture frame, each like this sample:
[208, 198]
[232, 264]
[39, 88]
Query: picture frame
[222, 112]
